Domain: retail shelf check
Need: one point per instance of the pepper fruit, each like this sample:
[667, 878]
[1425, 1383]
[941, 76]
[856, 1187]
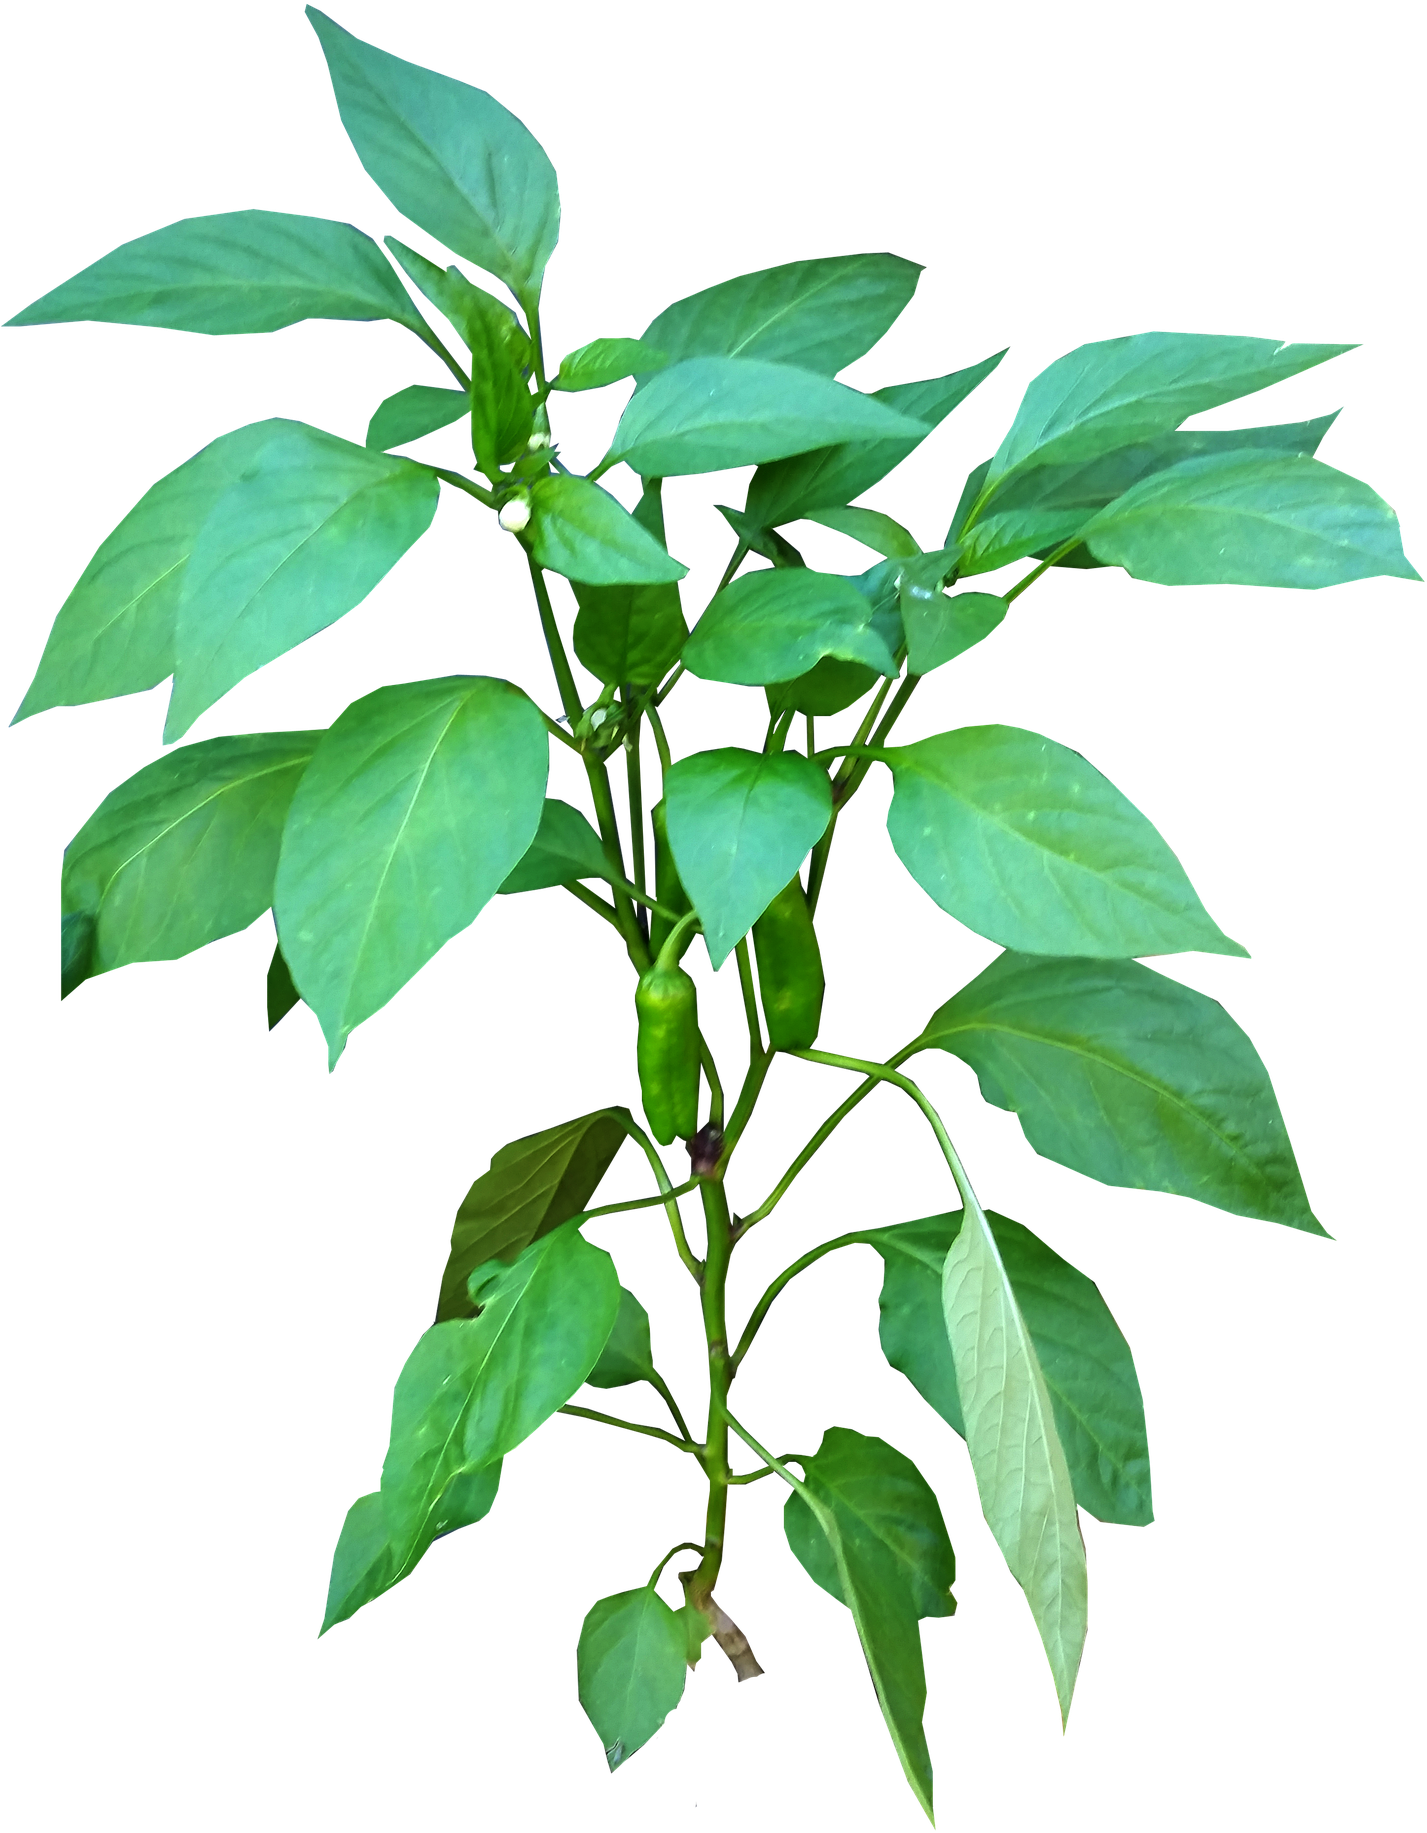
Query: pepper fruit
[667, 1004]
[790, 970]
[667, 889]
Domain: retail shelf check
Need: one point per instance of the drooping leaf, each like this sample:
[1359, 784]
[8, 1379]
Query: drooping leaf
[1130, 1078]
[1250, 518]
[184, 851]
[282, 994]
[835, 474]
[875, 1490]
[76, 950]
[871, 528]
[412, 413]
[1046, 505]
[629, 633]
[115, 632]
[448, 156]
[774, 625]
[415, 807]
[364, 1566]
[740, 825]
[1124, 389]
[1021, 1473]
[711, 412]
[631, 1665]
[1026, 843]
[246, 270]
[606, 360]
[565, 849]
[482, 320]
[872, 1583]
[533, 1185]
[296, 540]
[1086, 1362]
[627, 1356]
[819, 315]
[580, 531]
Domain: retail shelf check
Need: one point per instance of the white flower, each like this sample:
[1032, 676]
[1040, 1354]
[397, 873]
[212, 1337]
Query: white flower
[515, 515]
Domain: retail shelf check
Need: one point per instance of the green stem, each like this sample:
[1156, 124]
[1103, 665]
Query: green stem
[740, 554]
[530, 305]
[636, 802]
[773, 1463]
[556, 730]
[667, 1194]
[464, 483]
[594, 769]
[684, 1546]
[743, 1108]
[669, 685]
[715, 1086]
[761, 1309]
[593, 902]
[883, 1072]
[661, 743]
[750, 1000]
[818, 866]
[778, 728]
[820, 1138]
[661, 1388]
[1045, 565]
[715, 1454]
[629, 1425]
[871, 752]
[614, 1209]
[433, 342]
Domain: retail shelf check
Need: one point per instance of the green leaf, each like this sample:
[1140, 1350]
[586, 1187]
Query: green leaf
[448, 156]
[631, 1665]
[627, 1356]
[939, 628]
[826, 688]
[1016, 1455]
[415, 807]
[114, 633]
[818, 315]
[294, 542]
[1130, 1078]
[1023, 841]
[579, 530]
[1250, 519]
[871, 528]
[1125, 389]
[481, 319]
[565, 849]
[873, 1586]
[1043, 507]
[1086, 1362]
[412, 413]
[740, 825]
[774, 625]
[966, 502]
[765, 542]
[282, 994]
[76, 950]
[363, 1566]
[606, 360]
[711, 412]
[475, 1388]
[877, 1494]
[826, 479]
[533, 1185]
[246, 270]
[629, 633]
[185, 851]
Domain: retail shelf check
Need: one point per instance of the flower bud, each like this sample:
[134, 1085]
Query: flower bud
[537, 442]
[515, 514]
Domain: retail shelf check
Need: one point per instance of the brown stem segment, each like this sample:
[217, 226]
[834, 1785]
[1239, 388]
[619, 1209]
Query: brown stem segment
[726, 1633]
[715, 1457]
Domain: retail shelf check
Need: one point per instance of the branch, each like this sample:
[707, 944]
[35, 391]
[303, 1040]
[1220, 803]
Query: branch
[629, 1425]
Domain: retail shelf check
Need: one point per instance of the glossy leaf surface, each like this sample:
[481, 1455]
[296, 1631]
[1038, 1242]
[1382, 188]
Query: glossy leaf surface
[740, 825]
[631, 1666]
[417, 804]
[582, 532]
[629, 633]
[565, 848]
[1130, 1078]
[533, 1185]
[774, 625]
[412, 413]
[1026, 843]
[941, 626]
[364, 1564]
[627, 1356]
[606, 360]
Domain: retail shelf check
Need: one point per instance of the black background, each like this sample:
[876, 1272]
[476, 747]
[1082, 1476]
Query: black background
[237, 1251]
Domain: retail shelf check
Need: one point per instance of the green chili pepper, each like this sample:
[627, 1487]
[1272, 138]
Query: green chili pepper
[667, 1004]
[790, 970]
[667, 889]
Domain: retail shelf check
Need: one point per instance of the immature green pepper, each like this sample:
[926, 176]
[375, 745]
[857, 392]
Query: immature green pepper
[667, 889]
[667, 1004]
[790, 970]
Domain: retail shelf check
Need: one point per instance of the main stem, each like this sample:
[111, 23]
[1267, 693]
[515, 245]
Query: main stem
[719, 1225]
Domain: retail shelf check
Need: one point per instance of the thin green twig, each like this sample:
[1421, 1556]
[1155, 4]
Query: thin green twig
[629, 1425]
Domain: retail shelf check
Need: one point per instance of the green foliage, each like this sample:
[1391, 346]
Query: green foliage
[378, 840]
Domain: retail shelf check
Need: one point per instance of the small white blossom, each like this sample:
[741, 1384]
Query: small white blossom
[515, 515]
[537, 442]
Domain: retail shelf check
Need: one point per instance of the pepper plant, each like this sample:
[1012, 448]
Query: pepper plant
[375, 841]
